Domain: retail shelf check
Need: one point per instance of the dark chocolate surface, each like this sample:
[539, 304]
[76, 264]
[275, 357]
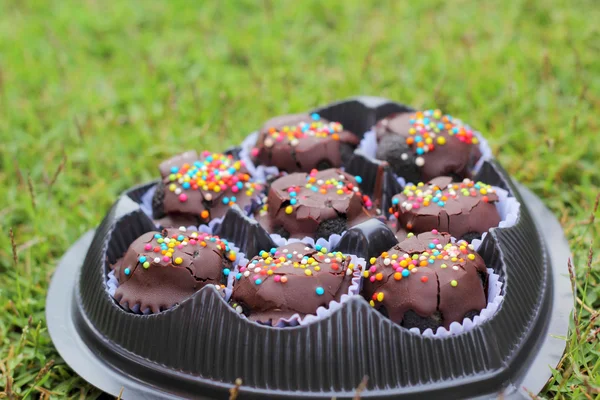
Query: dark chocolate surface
[300, 202]
[429, 277]
[302, 142]
[198, 188]
[291, 279]
[162, 269]
[438, 144]
[454, 207]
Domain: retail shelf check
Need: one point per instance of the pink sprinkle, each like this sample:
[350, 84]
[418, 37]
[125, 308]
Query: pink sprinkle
[416, 205]
[192, 241]
[368, 203]
[254, 152]
[372, 279]
[180, 246]
[414, 262]
[373, 269]
[279, 138]
[436, 241]
[410, 198]
[420, 200]
[276, 278]
[206, 153]
[435, 232]
[255, 277]
[235, 189]
[242, 269]
[183, 197]
[399, 269]
[166, 259]
[223, 187]
[148, 247]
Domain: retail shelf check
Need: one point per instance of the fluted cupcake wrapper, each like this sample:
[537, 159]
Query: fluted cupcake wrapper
[321, 312]
[494, 301]
[112, 283]
[368, 145]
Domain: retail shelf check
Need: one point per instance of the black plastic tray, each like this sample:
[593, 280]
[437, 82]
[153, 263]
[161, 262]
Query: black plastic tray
[199, 348]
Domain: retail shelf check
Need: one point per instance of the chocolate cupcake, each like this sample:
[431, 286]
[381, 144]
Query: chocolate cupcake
[160, 270]
[198, 188]
[464, 209]
[314, 205]
[427, 282]
[294, 279]
[423, 145]
[302, 142]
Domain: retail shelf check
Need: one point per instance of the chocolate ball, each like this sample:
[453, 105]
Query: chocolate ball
[464, 209]
[291, 279]
[434, 143]
[427, 282]
[161, 269]
[302, 142]
[317, 204]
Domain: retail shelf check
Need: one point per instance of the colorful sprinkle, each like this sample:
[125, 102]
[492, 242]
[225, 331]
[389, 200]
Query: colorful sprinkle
[320, 291]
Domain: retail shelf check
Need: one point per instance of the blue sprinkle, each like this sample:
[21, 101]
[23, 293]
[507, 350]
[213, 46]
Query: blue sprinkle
[226, 248]
[358, 179]
[157, 236]
[304, 128]
[431, 261]
[289, 256]
[455, 130]
[261, 253]
[258, 281]
[238, 276]
[209, 158]
[233, 199]
[412, 120]
[441, 203]
[225, 200]
[420, 151]
[174, 170]
[180, 237]
[318, 247]
[293, 201]
[142, 259]
[254, 261]
[240, 185]
[293, 194]
[273, 250]
[226, 272]
[395, 201]
[232, 170]
[418, 139]
[198, 164]
[425, 121]
[405, 273]
[127, 271]
[440, 125]
[431, 246]
[185, 185]
[315, 116]
[320, 291]
[314, 189]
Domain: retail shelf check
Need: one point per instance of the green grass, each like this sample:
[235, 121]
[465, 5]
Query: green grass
[94, 93]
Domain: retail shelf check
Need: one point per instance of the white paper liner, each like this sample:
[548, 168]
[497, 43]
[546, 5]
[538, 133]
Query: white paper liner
[112, 283]
[508, 208]
[368, 145]
[259, 172]
[495, 297]
[321, 312]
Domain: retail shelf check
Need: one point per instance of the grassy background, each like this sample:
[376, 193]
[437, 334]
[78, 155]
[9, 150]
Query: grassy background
[94, 93]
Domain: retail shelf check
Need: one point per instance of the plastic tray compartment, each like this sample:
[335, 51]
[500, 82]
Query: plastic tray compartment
[199, 348]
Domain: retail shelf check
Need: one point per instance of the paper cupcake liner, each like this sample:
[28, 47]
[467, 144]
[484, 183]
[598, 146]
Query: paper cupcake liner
[321, 312]
[258, 172]
[495, 297]
[368, 145]
[112, 283]
[508, 208]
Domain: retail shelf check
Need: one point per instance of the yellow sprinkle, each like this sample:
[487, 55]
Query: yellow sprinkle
[483, 191]
[410, 234]
[178, 260]
[380, 296]
[172, 187]
[317, 268]
[366, 274]
[453, 283]
[289, 210]
[270, 272]
[441, 140]
[454, 259]
[471, 256]
[373, 260]
[372, 303]
[394, 256]
[340, 191]
[443, 266]
[429, 140]
[308, 272]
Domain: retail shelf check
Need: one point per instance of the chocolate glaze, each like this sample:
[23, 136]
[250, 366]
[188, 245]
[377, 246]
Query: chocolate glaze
[456, 156]
[168, 280]
[441, 292]
[201, 203]
[459, 214]
[313, 207]
[273, 299]
[302, 150]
